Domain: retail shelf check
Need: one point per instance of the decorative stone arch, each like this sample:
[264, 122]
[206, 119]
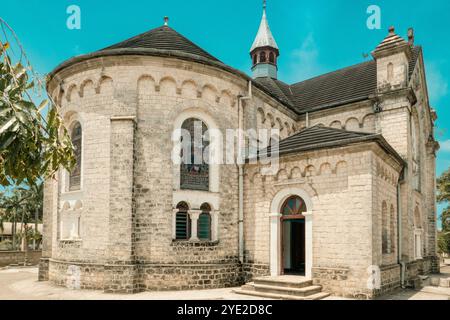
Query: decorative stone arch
[261, 114]
[146, 84]
[336, 124]
[275, 229]
[189, 88]
[214, 92]
[215, 153]
[368, 123]
[271, 119]
[72, 88]
[104, 82]
[84, 84]
[352, 124]
[173, 84]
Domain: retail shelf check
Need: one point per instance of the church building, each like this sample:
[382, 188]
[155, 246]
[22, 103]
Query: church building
[350, 209]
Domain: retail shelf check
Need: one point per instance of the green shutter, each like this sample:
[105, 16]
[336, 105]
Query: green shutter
[182, 226]
[204, 226]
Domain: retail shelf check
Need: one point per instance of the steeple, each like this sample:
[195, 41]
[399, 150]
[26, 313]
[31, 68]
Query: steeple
[264, 51]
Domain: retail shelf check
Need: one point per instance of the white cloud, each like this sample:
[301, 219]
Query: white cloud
[305, 63]
[445, 145]
[437, 84]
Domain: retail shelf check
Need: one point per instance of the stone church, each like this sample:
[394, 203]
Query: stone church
[350, 210]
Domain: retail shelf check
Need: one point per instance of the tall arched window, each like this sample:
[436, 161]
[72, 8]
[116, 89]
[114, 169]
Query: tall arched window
[194, 169]
[384, 230]
[262, 57]
[392, 229]
[271, 57]
[417, 234]
[204, 223]
[255, 59]
[75, 174]
[390, 72]
[183, 222]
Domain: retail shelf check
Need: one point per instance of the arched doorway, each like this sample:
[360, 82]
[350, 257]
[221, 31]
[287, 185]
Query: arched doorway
[293, 236]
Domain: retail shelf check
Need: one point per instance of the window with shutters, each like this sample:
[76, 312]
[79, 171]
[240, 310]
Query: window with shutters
[183, 222]
[204, 223]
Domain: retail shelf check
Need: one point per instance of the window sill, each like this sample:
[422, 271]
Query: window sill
[196, 243]
[70, 240]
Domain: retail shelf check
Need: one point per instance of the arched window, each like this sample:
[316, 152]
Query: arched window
[417, 222]
[417, 234]
[204, 223]
[392, 227]
[194, 169]
[262, 57]
[384, 225]
[293, 206]
[255, 59]
[183, 222]
[390, 72]
[75, 174]
[271, 57]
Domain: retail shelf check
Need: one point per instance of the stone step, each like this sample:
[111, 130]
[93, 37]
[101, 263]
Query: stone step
[444, 282]
[317, 296]
[302, 292]
[284, 281]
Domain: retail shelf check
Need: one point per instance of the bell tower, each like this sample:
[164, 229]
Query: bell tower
[264, 51]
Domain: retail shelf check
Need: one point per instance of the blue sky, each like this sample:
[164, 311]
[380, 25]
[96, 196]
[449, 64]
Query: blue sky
[314, 36]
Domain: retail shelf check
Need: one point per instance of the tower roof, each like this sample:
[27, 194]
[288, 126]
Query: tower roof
[264, 37]
[391, 42]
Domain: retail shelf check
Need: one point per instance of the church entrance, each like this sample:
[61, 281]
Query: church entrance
[293, 236]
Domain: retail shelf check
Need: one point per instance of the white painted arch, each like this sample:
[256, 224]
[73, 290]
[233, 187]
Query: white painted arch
[275, 229]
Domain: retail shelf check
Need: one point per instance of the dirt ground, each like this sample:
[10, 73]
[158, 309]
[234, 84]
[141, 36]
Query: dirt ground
[22, 284]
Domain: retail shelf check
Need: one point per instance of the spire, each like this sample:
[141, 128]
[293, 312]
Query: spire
[264, 37]
[264, 51]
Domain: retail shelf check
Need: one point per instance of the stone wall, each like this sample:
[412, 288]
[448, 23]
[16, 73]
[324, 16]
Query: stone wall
[18, 257]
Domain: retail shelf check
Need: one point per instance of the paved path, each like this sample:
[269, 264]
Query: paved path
[22, 284]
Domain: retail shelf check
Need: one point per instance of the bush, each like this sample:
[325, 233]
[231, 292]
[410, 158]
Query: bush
[6, 245]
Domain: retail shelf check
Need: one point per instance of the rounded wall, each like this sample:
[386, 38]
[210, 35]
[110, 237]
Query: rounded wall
[149, 93]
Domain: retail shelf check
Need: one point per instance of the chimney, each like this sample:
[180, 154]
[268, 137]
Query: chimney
[411, 37]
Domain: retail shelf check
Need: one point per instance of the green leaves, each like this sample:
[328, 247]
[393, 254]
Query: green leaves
[31, 147]
[443, 196]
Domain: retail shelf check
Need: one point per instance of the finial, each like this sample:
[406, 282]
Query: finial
[411, 37]
[391, 30]
[264, 4]
[166, 20]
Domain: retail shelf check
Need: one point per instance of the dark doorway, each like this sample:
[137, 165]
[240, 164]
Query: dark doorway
[294, 247]
[293, 236]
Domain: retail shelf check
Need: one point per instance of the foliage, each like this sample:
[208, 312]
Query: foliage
[23, 204]
[6, 245]
[31, 147]
[443, 196]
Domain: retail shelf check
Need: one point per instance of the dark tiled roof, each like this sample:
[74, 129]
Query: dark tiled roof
[162, 38]
[317, 137]
[351, 84]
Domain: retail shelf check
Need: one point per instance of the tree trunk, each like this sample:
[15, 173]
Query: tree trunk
[36, 213]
